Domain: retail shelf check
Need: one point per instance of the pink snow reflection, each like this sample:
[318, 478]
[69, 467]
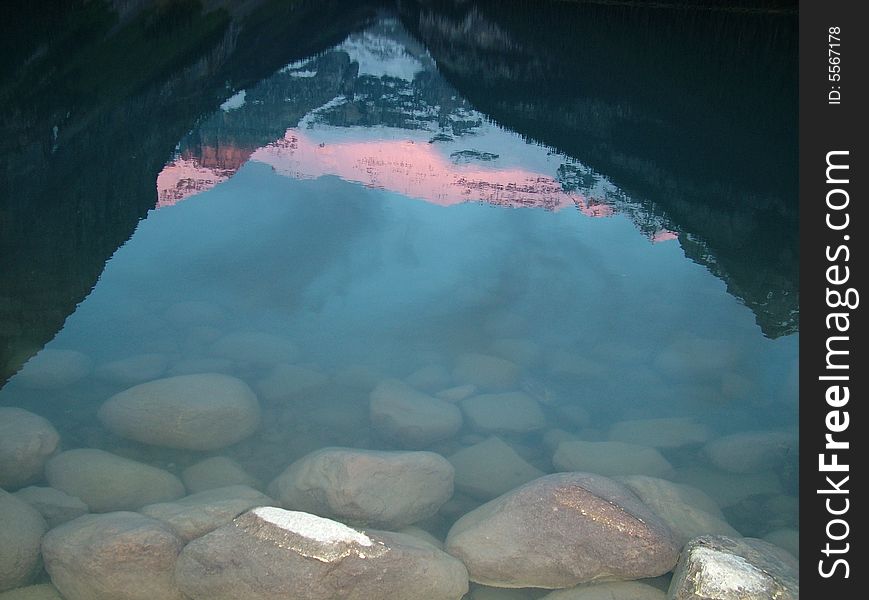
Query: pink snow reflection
[420, 170]
[664, 235]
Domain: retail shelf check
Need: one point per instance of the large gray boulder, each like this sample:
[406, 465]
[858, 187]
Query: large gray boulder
[116, 556]
[409, 418]
[561, 530]
[107, 482]
[369, 487]
[724, 568]
[511, 412]
[216, 472]
[669, 432]
[26, 442]
[688, 512]
[21, 530]
[752, 451]
[611, 459]
[56, 507]
[195, 515]
[490, 468]
[274, 554]
[204, 411]
[54, 369]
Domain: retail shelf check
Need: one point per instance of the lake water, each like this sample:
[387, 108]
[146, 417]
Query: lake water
[355, 217]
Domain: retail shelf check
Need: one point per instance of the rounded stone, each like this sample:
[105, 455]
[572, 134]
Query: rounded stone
[117, 556]
[409, 418]
[491, 468]
[562, 530]
[216, 472]
[368, 487]
[56, 507]
[672, 432]
[21, 530]
[286, 381]
[511, 412]
[26, 442]
[107, 482]
[274, 554]
[133, 369]
[193, 412]
[752, 451]
[255, 348]
[53, 369]
[487, 372]
[610, 459]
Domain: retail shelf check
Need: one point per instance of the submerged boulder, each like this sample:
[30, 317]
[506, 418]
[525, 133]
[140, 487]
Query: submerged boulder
[369, 487]
[671, 432]
[487, 372]
[724, 568]
[116, 556]
[26, 442]
[511, 412]
[216, 472]
[53, 369]
[274, 554]
[255, 349]
[561, 530]
[21, 530]
[55, 506]
[196, 412]
[409, 418]
[195, 515]
[752, 451]
[107, 482]
[286, 381]
[610, 459]
[134, 369]
[490, 468]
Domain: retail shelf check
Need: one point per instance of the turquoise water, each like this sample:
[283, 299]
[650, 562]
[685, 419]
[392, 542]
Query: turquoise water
[353, 215]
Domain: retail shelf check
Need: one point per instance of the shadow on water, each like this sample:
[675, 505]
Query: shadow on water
[95, 97]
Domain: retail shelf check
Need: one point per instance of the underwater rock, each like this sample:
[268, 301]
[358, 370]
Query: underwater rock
[255, 349]
[369, 487]
[613, 590]
[690, 357]
[116, 556]
[53, 369]
[206, 364]
[574, 414]
[107, 482]
[422, 534]
[133, 369]
[490, 468]
[216, 472]
[26, 442]
[486, 372]
[575, 365]
[42, 591]
[561, 530]
[430, 378]
[274, 554]
[672, 432]
[518, 350]
[20, 535]
[55, 506]
[752, 451]
[726, 488]
[786, 539]
[553, 437]
[511, 412]
[457, 393]
[286, 380]
[723, 568]
[610, 459]
[686, 510]
[195, 515]
[194, 412]
[409, 418]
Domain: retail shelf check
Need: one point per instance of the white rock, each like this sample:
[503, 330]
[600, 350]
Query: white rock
[52, 369]
[723, 568]
[457, 393]
[196, 412]
[753, 451]
[671, 432]
[20, 534]
[511, 412]
[195, 515]
[686, 510]
[613, 590]
[216, 472]
[368, 487]
[42, 591]
[286, 381]
[486, 372]
[611, 459]
[255, 348]
[561, 530]
[274, 554]
[107, 482]
[491, 468]
[55, 506]
[26, 442]
[410, 418]
[117, 556]
[429, 378]
[133, 369]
